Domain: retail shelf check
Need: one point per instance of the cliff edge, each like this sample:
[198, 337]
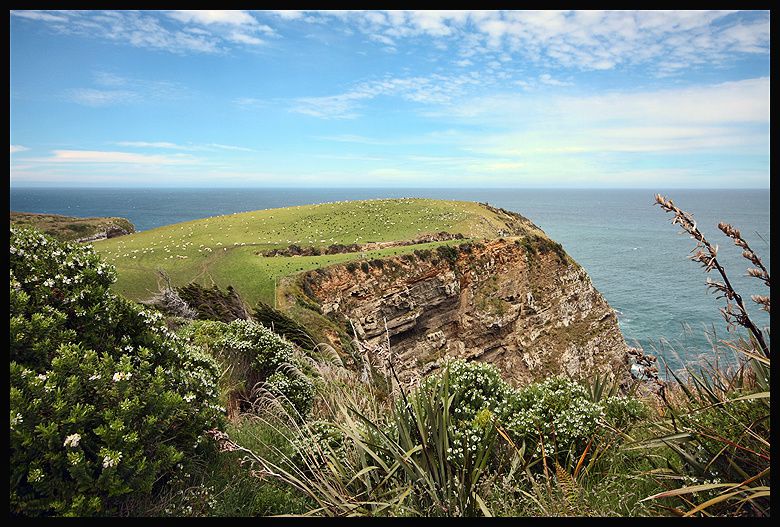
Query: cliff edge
[521, 304]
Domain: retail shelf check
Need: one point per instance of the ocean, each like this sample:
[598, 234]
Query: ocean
[633, 254]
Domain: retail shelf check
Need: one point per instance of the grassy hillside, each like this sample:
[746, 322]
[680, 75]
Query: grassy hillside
[68, 227]
[224, 250]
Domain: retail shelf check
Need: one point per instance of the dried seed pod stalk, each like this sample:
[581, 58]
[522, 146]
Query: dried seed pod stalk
[706, 254]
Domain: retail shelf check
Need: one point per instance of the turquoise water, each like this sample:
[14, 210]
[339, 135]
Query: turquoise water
[634, 256]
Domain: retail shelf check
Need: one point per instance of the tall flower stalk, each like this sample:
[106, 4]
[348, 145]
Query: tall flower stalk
[706, 254]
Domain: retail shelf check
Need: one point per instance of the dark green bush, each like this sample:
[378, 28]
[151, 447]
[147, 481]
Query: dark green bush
[254, 354]
[447, 253]
[283, 325]
[104, 401]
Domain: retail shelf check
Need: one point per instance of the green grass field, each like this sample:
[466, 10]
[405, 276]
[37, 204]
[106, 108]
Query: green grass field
[223, 250]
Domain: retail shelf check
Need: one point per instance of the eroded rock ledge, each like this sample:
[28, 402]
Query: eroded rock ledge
[526, 307]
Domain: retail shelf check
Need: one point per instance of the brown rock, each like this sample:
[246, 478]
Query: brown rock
[531, 314]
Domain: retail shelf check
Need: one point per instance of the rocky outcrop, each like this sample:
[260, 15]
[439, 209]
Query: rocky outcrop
[111, 231]
[521, 304]
[67, 228]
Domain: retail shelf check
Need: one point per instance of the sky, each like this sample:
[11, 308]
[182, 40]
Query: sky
[525, 99]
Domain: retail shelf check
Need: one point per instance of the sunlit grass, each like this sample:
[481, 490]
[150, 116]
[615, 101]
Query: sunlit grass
[224, 250]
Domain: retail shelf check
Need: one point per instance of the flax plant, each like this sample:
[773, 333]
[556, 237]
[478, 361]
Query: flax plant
[717, 420]
[405, 458]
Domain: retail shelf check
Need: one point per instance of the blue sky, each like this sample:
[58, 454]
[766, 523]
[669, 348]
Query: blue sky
[390, 99]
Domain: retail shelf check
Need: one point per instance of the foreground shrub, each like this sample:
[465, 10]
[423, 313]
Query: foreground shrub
[104, 401]
[555, 418]
[717, 423]
[434, 451]
[258, 361]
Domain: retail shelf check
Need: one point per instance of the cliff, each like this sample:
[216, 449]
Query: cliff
[521, 304]
[66, 228]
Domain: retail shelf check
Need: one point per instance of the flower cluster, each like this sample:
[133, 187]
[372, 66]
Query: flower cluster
[554, 417]
[110, 458]
[72, 440]
[122, 376]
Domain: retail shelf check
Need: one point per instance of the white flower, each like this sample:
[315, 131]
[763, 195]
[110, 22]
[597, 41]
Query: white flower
[111, 460]
[189, 397]
[42, 376]
[15, 420]
[72, 440]
[94, 377]
[121, 376]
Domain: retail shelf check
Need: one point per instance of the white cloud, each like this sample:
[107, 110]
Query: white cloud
[230, 147]
[433, 89]
[667, 41]
[745, 101]
[546, 78]
[353, 138]
[97, 98]
[165, 145]
[287, 14]
[153, 144]
[105, 78]
[576, 141]
[208, 17]
[737, 101]
[142, 29]
[132, 91]
[96, 156]
[243, 38]
[18, 148]
[45, 16]
[251, 102]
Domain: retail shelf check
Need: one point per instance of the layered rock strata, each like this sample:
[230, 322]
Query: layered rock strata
[526, 307]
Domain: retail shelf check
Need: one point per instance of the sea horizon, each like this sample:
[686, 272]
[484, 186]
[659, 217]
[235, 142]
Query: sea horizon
[30, 187]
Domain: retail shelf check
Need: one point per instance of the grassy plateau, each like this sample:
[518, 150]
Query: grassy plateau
[227, 250]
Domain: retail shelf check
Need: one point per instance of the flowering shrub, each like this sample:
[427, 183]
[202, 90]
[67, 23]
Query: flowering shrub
[476, 386]
[104, 401]
[256, 355]
[480, 396]
[557, 412]
[556, 415]
[621, 411]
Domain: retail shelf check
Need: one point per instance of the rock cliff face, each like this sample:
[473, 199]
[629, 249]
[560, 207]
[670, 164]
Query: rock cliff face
[68, 228]
[525, 307]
